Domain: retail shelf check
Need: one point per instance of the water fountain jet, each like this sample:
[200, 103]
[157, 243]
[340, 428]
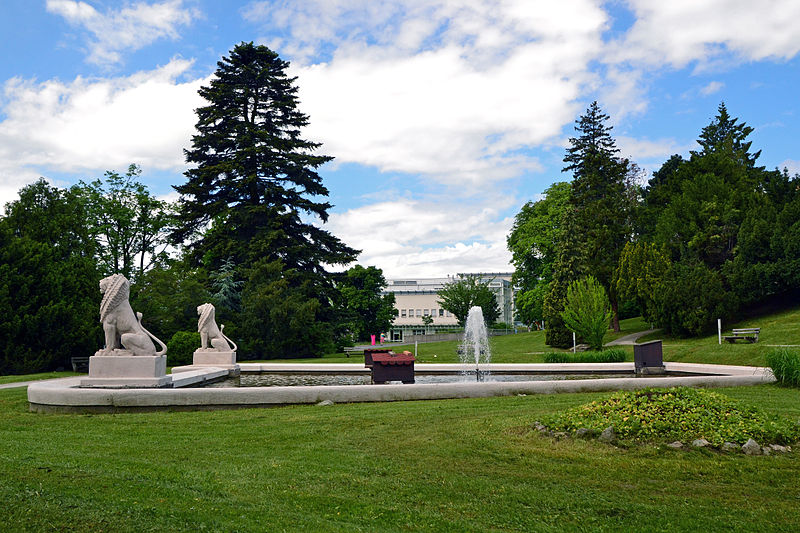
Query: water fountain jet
[475, 348]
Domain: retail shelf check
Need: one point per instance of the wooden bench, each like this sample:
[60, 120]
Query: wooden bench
[747, 334]
[79, 364]
[352, 349]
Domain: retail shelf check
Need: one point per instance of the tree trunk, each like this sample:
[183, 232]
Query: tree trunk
[615, 313]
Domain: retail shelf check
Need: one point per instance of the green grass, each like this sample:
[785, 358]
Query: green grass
[454, 465]
[785, 365]
[782, 328]
[36, 377]
[609, 355]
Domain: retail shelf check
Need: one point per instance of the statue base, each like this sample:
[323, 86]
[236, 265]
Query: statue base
[127, 372]
[211, 358]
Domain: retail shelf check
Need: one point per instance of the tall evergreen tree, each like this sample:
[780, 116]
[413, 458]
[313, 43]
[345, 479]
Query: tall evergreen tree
[253, 192]
[254, 177]
[599, 199]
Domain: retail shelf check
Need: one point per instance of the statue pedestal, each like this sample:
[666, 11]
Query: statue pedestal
[127, 372]
[211, 358]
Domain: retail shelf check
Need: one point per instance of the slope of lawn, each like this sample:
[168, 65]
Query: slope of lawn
[780, 328]
[454, 465]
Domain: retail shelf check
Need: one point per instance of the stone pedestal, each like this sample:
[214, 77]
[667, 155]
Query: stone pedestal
[127, 372]
[211, 358]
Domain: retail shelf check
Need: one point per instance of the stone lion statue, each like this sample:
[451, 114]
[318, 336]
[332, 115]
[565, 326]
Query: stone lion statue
[123, 330]
[210, 333]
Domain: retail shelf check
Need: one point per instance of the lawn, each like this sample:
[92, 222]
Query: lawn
[454, 465]
[782, 328]
[36, 377]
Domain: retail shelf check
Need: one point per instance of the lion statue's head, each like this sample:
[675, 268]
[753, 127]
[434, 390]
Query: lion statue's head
[115, 289]
[206, 313]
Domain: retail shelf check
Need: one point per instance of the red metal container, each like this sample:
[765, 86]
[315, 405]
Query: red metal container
[393, 367]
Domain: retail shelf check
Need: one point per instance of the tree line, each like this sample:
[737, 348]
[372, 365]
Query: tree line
[710, 236]
[245, 235]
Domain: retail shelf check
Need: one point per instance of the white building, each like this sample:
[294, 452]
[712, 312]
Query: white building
[418, 298]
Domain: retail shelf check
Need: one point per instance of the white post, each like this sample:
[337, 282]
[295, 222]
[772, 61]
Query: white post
[574, 346]
[719, 329]
[415, 349]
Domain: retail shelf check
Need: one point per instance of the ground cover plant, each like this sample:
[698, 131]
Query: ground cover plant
[453, 465]
[785, 365]
[678, 414]
[612, 355]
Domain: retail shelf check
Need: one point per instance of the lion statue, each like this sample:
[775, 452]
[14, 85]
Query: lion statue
[210, 333]
[123, 330]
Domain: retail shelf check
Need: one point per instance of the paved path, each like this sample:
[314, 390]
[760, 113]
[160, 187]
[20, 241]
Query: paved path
[631, 339]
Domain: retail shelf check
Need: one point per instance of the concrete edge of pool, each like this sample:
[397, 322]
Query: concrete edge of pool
[64, 395]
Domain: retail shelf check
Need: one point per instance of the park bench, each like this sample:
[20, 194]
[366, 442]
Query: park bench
[352, 349]
[747, 334]
[80, 364]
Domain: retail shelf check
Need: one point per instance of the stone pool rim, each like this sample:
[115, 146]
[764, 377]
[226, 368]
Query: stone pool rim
[64, 395]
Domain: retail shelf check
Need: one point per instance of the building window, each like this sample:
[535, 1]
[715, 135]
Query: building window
[426, 312]
[402, 313]
[441, 312]
[419, 312]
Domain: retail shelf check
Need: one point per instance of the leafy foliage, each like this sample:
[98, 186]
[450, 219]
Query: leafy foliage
[685, 414]
[612, 355]
[785, 365]
[49, 292]
[642, 267]
[366, 310]
[181, 347]
[468, 291]
[129, 224]
[533, 242]
[586, 311]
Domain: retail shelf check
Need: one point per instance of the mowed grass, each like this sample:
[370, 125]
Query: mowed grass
[36, 377]
[781, 328]
[454, 465]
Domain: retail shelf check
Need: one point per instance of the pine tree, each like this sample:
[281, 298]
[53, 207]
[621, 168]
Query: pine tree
[254, 177]
[253, 193]
[599, 200]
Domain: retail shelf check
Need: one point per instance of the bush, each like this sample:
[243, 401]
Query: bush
[181, 347]
[684, 414]
[785, 365]
[587, 311]
[613, 355]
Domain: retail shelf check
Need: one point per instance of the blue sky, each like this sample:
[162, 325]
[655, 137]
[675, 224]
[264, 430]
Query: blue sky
[444, 116]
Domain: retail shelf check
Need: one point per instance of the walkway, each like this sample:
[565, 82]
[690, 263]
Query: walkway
[631, 339]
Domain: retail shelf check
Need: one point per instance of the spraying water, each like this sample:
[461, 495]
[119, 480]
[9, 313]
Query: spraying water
[475, 349]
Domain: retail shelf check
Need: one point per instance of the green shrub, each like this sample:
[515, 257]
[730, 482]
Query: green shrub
[785, 365]
[613, 355]
[181, 347]
[587, 311]
[685, 414]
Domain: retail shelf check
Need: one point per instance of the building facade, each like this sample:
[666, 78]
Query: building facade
[418, 298]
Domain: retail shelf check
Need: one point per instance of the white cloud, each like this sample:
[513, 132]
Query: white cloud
[414, 238]
[793, 166]
[450, 90]
[643, 149]
[682, 32]
[711, 88]
[89, 124]
[129, 28]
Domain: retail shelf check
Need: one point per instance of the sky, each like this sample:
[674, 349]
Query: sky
[444, 116]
